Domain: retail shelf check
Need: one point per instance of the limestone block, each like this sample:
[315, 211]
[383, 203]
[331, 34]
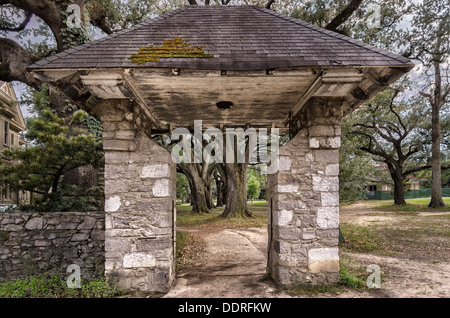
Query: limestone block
[334, 142]
[284, 163]
[327, 155]
[283, 217]
[125, 134]
[332, 170]
[308, 234]
[119, 145]
[314, 143]
[112, 204]
[287, 188]
[161, 188]
[321, 130]
[330, 198]
[323, 260]
[116, 186]
[325, 183]
[328, 217]
[137, 260]
[156, 171]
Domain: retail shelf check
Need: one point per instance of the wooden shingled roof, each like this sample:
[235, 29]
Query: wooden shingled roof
[239, 38]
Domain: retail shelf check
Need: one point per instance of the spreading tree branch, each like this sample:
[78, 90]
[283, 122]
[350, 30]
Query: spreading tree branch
[22, 26]
[48, 11]
[97, 16]
[344, 15]
[14, 61]
[269, 4]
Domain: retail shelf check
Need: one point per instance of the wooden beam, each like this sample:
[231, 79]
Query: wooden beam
[308, 94]
[127, 81]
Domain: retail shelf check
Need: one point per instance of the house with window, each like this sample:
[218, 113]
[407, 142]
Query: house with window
[12, 124]
[383, 189]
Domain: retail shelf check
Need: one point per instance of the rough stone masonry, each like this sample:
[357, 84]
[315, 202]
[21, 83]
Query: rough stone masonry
[304, 200]
[48, 242]
[140, 196]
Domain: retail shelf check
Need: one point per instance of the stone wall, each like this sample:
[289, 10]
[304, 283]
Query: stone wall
[304, 201]
[32, 243]
[140, 196]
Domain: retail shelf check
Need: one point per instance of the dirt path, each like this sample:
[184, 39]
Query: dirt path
[405, 278]
[234, 265]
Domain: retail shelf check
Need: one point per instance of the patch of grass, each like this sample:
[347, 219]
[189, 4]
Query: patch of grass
[415, 205]
[183, 207]
[406, 234]
[350, 279]
[53, 286]
[360, 239]
[214, 219]
[257, 203]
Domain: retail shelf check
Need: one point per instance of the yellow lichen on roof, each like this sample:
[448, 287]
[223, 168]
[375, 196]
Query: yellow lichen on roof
[175, 48]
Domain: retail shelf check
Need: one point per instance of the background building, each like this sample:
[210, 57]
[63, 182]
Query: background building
[12, 124]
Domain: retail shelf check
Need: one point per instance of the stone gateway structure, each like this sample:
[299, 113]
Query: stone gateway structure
[275, 72]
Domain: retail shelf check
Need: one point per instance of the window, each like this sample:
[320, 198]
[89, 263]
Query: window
[6, 132]
[12, 139]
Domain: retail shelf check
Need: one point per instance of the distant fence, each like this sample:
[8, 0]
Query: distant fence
[413, 194]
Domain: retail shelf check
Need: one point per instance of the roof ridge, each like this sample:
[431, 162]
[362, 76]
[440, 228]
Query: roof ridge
[339, 35]
[159, 18]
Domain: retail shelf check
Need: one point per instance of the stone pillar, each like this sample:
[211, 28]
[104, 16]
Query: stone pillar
[304, 201]
[140, 196]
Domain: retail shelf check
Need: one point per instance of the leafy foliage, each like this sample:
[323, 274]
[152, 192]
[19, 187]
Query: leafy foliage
[253, 188]
[55, 146]
[183, 191]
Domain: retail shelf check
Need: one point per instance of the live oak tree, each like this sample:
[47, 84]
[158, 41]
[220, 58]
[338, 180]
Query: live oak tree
[428, 41]
[356, 167]
[394, 131]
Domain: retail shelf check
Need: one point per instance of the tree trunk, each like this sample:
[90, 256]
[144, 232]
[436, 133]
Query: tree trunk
[236, 201]
[399, 190]
[197, 187]
[200, 205]
[436, 175]
[219, 188]
[208, 194]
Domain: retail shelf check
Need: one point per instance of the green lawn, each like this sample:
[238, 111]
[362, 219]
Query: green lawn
[186, 218]
[411, 205]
